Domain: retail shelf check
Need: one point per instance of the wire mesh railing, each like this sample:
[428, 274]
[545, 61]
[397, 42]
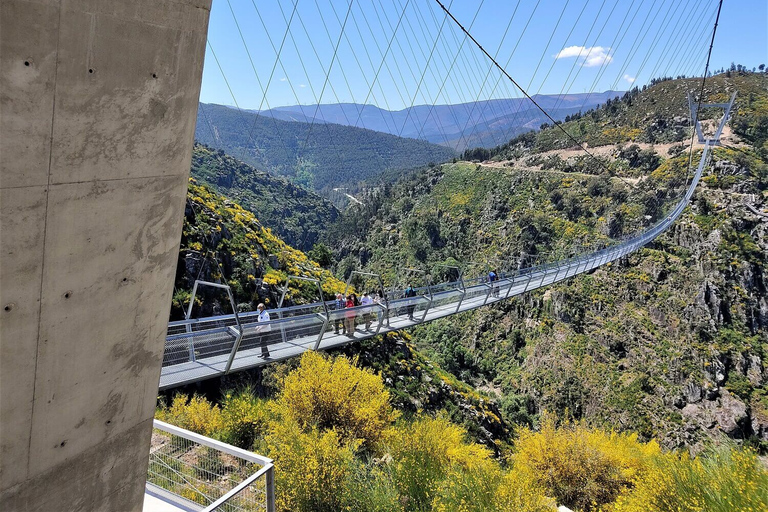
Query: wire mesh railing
[199, 473]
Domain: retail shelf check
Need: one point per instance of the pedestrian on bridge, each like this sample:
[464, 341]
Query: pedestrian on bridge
[410, 292]
[351, 314]
[339, 323]
[367, 300]
[264, 329]
[492, 278]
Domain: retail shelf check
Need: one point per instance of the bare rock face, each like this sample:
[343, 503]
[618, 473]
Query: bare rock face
[692, 393]
[700, 414]
[731, 416]
[727, 413]
[755, 371]
[759, 426]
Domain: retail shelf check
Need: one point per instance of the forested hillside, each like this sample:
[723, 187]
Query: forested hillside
[660, 114]
[296, 215]
[317, 156]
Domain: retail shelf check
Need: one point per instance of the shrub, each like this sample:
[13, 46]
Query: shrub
[724, 481]
[335, 394]
[373, 489]
[424, 452]
[244, 417]
[489, 489]
[582, 468]
[315, 467]
[521, 493]
[196, 414]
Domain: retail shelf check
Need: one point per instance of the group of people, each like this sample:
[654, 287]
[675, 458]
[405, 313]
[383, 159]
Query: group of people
[346, 324]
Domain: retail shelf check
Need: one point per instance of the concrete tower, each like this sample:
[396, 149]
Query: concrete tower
[98, 100]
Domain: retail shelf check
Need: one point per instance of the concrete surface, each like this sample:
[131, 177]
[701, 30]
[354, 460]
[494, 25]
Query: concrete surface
[98, 100]
[157, 500]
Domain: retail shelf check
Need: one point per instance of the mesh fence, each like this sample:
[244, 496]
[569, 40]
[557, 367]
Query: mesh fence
[201, 474]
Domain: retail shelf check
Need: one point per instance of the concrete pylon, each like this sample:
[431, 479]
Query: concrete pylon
[98, 100]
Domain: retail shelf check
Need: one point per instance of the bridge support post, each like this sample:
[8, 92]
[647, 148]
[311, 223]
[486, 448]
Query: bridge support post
[431, 298]
[98, 101]
[322, 332]
[238, 331]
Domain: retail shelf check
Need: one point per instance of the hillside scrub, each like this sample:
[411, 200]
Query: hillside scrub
[321, 158]
[294, 214]
[223, 242]
[352, 452]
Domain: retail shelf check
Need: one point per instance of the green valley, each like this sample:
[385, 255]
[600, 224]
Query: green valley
[319, 156]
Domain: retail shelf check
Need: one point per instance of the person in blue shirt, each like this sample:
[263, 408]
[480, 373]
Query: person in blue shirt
[492, 278]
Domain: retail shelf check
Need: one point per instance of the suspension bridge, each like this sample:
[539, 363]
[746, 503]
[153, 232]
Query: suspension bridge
[198, 349]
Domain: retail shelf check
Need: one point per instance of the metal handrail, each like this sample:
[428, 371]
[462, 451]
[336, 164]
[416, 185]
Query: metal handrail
[266, 471]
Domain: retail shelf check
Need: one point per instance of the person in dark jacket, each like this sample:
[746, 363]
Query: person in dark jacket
[492, 278]
[339, 323]
[410, 292]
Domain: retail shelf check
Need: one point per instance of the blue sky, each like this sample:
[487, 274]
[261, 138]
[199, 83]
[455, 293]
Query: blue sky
[550, 47]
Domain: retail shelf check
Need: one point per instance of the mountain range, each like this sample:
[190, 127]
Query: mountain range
[460, 126]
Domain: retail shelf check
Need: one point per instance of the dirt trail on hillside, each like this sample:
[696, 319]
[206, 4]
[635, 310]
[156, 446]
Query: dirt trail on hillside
[517, 166]
[727, 139]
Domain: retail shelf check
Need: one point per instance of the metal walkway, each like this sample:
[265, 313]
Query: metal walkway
[208, 347]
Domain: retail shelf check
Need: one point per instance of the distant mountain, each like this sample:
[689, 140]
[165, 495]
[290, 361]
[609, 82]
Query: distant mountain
[295, 214]
[319, 156]
[481, 123]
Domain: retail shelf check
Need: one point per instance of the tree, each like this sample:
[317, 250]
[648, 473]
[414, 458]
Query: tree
[321, 254]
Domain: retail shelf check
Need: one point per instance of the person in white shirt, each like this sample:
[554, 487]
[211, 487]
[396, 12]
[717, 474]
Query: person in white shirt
[263, 330]
[366, 300]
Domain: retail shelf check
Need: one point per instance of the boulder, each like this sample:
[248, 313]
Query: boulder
[731, 415]
[692, 393]
[755, 371]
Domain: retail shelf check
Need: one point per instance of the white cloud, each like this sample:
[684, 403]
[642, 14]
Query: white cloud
[629, 79]
[302, 85]
[283, 79]
[589, 57]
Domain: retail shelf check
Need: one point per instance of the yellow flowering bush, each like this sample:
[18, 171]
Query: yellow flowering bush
[724, 481]
[313, 467]
[245, 419]
[336, 394]
[425, 452]
[196, 414]
[582, 468]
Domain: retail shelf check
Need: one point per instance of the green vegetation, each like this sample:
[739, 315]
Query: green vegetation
[223, 242]
[296, 215]
[340, 446]
[658, 114]
[653, 344]
[580, 394]
[318, 156]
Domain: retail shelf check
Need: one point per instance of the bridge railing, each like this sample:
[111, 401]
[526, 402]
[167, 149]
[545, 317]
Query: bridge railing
[199, 473]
